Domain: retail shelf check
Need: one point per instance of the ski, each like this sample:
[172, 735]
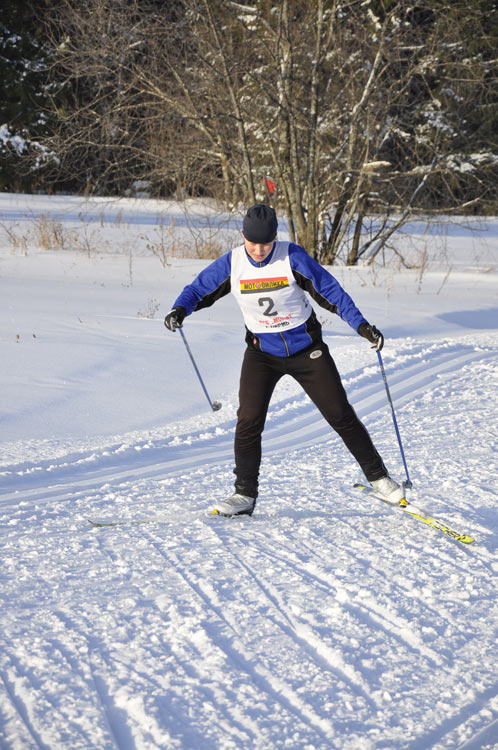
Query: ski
[101, 524]
[105, 524]
[97, 523]
[419, 514]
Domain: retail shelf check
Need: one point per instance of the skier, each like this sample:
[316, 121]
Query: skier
[268, 279]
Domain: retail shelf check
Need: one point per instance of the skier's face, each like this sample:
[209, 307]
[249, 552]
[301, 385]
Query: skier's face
[257, 251]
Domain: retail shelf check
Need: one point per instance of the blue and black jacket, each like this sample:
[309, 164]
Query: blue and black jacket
[214, 282]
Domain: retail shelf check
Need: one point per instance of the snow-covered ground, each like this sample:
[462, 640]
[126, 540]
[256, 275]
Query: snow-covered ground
[327, 620]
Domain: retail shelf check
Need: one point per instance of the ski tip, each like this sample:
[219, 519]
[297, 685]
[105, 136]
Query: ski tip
[466, 539]
[104, 524]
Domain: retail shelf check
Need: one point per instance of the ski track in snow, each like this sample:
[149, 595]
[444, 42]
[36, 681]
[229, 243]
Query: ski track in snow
[291, 423]
[316, 624]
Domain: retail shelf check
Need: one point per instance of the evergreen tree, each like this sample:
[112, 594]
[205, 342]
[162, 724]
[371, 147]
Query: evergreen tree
[25, 90]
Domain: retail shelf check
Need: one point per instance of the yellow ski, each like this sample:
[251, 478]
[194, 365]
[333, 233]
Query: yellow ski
[415, 512]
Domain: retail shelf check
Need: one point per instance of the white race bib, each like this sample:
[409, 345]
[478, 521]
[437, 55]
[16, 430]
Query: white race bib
[268, 296]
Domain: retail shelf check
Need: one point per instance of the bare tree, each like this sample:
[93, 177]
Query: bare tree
[113, 130]
[350, 107]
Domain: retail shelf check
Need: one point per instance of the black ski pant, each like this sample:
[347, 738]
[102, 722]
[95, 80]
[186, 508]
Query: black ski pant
[318, 376]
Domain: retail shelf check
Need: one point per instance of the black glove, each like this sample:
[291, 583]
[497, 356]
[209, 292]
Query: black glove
[372, 334]
[175, 318]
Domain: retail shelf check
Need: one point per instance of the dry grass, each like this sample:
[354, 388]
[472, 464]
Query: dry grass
[206, 243]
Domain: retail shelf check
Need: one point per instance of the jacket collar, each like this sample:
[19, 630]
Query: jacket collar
[263, 262]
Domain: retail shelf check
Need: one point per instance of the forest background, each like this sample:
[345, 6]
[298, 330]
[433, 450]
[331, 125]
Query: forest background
[349, 116]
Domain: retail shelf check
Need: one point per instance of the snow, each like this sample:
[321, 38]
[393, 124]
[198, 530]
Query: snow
[18, 144]
[327, 620]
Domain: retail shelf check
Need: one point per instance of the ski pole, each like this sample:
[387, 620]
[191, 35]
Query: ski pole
[215, 405]
[407, 483]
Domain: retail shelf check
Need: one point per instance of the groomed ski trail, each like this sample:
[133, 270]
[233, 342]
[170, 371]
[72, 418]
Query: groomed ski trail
[318, 623]
[292, 422]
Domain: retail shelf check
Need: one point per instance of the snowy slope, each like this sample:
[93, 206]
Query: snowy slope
[325, 621]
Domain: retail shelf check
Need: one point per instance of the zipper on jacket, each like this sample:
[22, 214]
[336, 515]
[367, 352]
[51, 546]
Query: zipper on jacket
[285, 343]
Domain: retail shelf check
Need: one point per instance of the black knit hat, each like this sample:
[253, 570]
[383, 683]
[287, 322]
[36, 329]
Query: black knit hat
[260, 224]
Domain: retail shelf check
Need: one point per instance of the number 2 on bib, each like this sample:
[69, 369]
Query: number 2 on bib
[270, 310]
